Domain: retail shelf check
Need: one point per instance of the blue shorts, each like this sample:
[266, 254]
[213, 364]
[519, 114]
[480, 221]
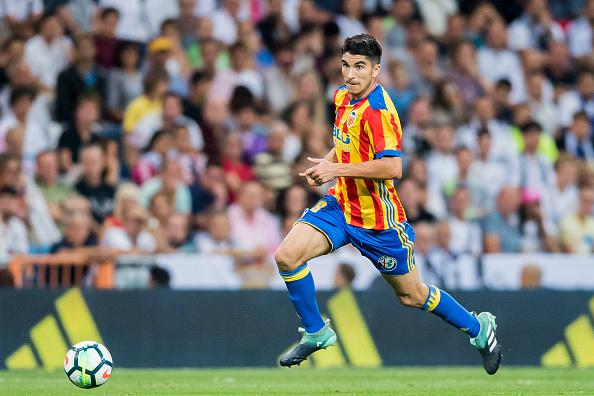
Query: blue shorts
[391, 250]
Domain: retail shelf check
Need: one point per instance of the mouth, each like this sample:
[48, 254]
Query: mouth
[351, 84]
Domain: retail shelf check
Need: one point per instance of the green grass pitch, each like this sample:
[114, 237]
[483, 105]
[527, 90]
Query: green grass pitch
[296, 381]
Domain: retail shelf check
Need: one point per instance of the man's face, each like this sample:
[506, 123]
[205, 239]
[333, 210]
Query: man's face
[47, 167]
[359, 73]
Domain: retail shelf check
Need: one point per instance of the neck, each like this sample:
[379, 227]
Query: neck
[367, 91]
[93, 181]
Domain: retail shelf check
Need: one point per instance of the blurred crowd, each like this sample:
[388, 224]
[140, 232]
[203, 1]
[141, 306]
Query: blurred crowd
[146, 126]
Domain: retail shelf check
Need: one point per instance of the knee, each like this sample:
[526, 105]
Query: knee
[286, 260]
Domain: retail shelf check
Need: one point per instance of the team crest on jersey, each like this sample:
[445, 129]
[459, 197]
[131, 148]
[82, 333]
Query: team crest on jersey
[351, 118]
[388, 263]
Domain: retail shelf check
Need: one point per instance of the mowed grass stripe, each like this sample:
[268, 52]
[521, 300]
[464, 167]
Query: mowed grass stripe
[384, 381]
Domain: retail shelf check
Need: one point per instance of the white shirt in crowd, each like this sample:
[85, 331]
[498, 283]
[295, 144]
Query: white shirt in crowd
[13, 238]
[20, 9]
[47, 60]
[151, 123]
[140, 20]
[497, 64]
[579, 36]
[466, 237]
[117, 238]
[441, 168]
[36, 140]
[523, 33]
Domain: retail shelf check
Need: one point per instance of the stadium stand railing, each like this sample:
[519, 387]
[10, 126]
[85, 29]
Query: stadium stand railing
[62, 270]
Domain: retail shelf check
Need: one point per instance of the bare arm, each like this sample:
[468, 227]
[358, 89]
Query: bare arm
[379, 169]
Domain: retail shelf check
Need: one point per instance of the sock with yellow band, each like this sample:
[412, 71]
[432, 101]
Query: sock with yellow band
[446, 307]
[302, 293]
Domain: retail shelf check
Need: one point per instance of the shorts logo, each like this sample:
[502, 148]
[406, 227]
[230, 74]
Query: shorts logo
[388, 263]
[351, 118]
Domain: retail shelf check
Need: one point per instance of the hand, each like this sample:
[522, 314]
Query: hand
[321, 173]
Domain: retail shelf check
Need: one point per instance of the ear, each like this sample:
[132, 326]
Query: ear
[375, 70]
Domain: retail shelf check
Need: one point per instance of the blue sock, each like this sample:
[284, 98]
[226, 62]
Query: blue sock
[302, 293]
[443, 305]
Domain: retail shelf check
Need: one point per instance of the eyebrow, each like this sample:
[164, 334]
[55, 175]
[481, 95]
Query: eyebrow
[360, 62]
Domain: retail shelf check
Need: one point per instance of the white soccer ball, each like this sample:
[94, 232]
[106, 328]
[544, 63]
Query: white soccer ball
[88, 364]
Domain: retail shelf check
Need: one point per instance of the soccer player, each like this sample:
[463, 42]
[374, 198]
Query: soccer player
[363, 209]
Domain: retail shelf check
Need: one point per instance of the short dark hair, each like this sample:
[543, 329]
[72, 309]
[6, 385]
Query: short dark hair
[160, 276]
[581, 115]
[531, 126]
[22, 92]
[199, 76]
[347, 271]
[153, 77]
[363, 44]
[108, 11]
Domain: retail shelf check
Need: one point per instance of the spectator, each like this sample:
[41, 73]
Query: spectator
[82, 131]
[441, 166]
[15, 238]
[577, 229]
[106, 42]
[83, 75]
[424, 244]
[225, 21]
[410, 195]
[177, 233]
[344, 276]
[200, 83]
[578, 141]
[253, 226]
[154, 86]
[565, 193]
[293, 202]
[159, 278]
[349, 22]
[191, 160]
[581, 98]
[252, 133]
[501, 228]
[530, 277]
[160, 208]
[279, 79]
[270, 167]
[48, 53]
[34, 136]
[170, 118]
[242, 73]
[496, 61]
[151, 161]
[78, 236]
[21, 16]
[164, 54]
[465, 233]
[133, 237]
[579, 35]
[235, 168]
[536, 234]
[54, 190]
[535, 28]
[170, 181]
[127, 196]
[217, 237]
[401, 91]
[97, 184]
[124, 81]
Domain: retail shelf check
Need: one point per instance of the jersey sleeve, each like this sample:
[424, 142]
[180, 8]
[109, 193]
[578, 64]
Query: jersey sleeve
[385, 134]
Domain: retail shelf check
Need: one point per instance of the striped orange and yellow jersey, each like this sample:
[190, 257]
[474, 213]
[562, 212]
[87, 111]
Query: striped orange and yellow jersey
[366, 129]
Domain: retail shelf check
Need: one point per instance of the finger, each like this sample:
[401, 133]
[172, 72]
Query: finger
[315, 160]
[303, 174]
[310, 171]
